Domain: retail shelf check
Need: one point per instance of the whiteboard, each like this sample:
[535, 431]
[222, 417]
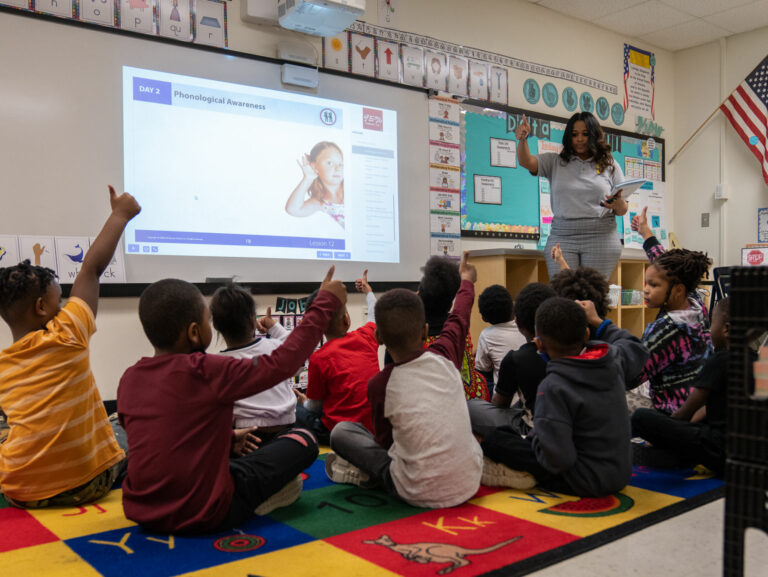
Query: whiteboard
[61, 142]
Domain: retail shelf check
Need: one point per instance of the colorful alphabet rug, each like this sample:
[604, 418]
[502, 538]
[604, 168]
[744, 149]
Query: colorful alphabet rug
[342, 530]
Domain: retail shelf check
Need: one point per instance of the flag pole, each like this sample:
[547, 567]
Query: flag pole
[702, 125]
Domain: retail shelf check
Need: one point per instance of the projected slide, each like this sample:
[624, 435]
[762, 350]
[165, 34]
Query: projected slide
[225, 169]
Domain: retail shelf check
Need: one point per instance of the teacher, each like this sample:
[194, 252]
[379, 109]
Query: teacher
[581, 178]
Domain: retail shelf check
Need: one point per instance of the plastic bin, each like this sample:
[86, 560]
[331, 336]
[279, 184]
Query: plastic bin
[626, 297]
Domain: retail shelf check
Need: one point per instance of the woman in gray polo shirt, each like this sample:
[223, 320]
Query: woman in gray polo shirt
[580, 177]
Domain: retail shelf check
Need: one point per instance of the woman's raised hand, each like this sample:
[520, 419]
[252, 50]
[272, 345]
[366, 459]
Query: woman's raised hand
[523, 129]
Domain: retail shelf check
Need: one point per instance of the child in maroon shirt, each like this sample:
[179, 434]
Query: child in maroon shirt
[176, 408]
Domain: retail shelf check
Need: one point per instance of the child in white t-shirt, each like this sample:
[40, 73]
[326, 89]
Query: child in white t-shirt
[233, 312]
[496, 307]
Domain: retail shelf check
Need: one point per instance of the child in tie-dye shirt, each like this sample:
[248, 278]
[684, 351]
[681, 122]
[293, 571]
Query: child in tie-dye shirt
[679, 339]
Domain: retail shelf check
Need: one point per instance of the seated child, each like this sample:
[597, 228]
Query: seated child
[678, 339]
[700, 440]
[177, 409]
[61, 449]
[520, 373]
[437, 289]
[422, 449]
[496, 307]
[580, 443]
[340, 370]
[233, 313]
[583, 284]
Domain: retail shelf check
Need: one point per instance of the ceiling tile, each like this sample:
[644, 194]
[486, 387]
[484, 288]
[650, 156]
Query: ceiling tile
[704, 7]
[643, 18]
[587, 10]
[685, 35]
[743, 18]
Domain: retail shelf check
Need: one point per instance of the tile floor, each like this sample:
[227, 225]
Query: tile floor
[689, 545]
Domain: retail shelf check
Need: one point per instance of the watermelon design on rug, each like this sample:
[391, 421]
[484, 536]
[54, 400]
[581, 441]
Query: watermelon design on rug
[592, 507]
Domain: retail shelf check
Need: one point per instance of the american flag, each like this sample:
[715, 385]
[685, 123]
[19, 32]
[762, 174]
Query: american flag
[626, 76]
[747, 109]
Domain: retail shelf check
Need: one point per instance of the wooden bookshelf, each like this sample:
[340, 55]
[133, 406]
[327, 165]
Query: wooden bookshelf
[515, 268]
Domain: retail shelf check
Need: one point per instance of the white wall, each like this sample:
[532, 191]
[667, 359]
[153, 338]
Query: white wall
[684, 89]
[706, 76]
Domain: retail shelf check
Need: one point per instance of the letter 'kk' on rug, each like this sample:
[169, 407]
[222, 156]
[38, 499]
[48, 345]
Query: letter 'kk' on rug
[345, 530]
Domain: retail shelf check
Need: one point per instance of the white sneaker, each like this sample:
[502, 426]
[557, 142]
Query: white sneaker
[288, 495]
[340, 470]
[498, 475]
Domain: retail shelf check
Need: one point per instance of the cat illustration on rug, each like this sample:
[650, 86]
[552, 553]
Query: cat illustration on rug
[436, 552]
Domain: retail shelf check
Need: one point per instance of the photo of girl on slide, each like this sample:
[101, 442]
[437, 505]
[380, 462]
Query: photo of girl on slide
[322, 186]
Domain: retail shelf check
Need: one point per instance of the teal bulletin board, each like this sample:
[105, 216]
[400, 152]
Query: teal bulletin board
[500, 199]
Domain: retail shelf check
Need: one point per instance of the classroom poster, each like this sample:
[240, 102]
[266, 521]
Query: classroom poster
[444, 111]
[458, 75]
[545, 211]
[487, 189]
[498, 85]
[211, 23]
[413, 64]
[137, 16]
[443, 201]
[442, 132]
[62, 8]
[444, 178]
[40, 250]
[9, 250]
[387, 61]
[115, 271]
[173, 19]
[639, 87]
[437, 70]
[762, 225]
[447, 247]
[504, 152]
[98, 11]
[363, 54]
[444, 224]
[336, 52]
[478, 80]
[444, 155]
[70, 251]
[23, 4]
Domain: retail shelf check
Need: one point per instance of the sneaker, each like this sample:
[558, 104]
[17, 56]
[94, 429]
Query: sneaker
[498, 475]
[284, 497]
[340, 470]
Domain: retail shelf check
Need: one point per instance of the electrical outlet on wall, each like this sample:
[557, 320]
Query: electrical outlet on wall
[704, 220]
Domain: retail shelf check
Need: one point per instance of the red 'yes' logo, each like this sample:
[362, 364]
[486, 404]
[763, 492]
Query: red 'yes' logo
[373, 119]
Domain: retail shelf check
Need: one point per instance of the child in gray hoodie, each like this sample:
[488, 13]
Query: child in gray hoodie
[580, 443]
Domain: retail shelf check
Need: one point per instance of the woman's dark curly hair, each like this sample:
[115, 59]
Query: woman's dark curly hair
[439, 285]
[232, 311]
[683, 266]
[583, 284]
[22, 282]
[599, 149]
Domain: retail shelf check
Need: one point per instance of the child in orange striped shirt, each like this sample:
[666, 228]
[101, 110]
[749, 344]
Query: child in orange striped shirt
[61, 449]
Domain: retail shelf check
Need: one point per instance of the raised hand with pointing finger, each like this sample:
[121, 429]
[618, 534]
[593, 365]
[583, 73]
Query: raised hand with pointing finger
[640, 224]
[362, 285]
[335, 287]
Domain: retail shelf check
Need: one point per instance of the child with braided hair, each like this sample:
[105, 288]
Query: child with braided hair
[678, 340]
[61, 449]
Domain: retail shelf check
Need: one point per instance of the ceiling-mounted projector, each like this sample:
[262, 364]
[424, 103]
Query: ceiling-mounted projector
[319, 17]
